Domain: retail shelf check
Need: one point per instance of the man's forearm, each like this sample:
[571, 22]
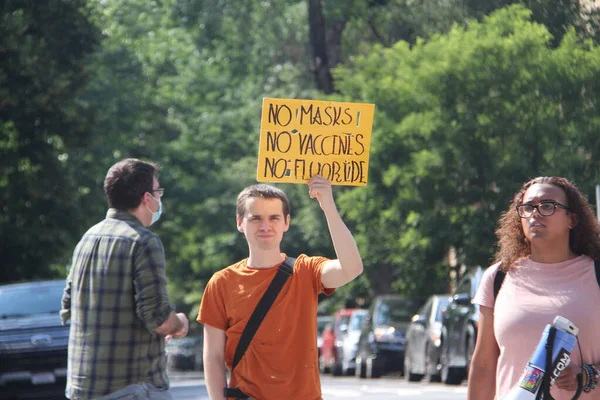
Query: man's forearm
[344, 244]
[65, 312]
[214, 375]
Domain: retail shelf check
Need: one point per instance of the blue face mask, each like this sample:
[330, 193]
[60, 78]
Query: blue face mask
[156, 215]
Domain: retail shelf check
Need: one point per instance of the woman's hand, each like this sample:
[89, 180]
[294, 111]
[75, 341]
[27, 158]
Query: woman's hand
[567, 380]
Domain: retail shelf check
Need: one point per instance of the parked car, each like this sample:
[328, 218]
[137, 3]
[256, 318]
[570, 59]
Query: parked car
[33, 342]
[184, 354]
[322, 322]
[424, 340]
[329, 360]
[348, 348]
[382, 338]
[459, 329]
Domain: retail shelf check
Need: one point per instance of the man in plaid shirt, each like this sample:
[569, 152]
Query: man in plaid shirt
[116, 295]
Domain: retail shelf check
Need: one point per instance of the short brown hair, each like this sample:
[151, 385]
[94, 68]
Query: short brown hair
[584, 238]
[127, 181]
[264, 191]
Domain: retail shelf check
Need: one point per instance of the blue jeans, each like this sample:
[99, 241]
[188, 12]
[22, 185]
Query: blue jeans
[138, 391]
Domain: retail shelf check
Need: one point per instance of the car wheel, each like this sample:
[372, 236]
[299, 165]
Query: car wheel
[408, 370]
[372, 370]
[450, 375]
[336, 370]
[322, 366]
[433, 373]
[432, 370]
[361, 371]
[347, 370]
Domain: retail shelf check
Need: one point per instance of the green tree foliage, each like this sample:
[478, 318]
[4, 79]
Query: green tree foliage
[182, 82]
[44, 47]
[462, 117]
[462, 120]
[215, 157]
[136, 61]
[557, 15]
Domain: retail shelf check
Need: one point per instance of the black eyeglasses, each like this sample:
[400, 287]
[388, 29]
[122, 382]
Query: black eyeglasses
[544, 208]
[160, 191]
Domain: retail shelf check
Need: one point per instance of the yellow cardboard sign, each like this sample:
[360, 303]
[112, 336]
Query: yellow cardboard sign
[302, 138]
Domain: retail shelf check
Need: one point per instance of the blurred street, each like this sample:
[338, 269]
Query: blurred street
[190, 386]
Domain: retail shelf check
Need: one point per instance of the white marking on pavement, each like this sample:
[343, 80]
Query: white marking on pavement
[187, 383]
[340, 391]
[336, 392]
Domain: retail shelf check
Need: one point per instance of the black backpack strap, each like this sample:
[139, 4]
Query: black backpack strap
[498, 279]
[283, 273]
[235, 393]
[597, 268]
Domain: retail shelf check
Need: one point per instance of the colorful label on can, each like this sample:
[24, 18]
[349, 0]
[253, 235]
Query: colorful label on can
[532, 378]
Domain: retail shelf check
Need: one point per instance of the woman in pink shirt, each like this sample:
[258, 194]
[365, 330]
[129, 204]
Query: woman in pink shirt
[548, 241]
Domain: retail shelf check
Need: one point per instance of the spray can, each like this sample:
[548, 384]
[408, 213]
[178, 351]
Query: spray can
[564, 342]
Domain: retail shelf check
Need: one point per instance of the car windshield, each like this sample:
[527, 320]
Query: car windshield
[443, 303]
[343, 321]
[356, 321]
[393, 311]
[32, 299]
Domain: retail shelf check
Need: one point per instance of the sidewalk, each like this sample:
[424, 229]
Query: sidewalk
[186, 378]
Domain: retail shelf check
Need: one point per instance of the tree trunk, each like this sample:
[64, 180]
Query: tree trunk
[334, 42]
[318, 42]
[382, 278]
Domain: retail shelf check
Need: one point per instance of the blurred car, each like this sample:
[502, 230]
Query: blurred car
[322, 322]
[184, 354]
[348, 344]
[33, 342]
[329, 360]
[424, 339]
[382, 339]
[459, 329]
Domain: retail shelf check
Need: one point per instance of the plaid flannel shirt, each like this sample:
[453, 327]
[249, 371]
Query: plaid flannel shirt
[115, 297]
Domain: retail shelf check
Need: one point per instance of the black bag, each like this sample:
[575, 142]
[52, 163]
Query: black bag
[283, 273]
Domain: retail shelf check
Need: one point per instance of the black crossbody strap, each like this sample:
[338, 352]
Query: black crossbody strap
[544, 391]
[283, 273]
[498, 279]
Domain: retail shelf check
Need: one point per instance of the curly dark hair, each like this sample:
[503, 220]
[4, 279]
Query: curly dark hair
[583, 239]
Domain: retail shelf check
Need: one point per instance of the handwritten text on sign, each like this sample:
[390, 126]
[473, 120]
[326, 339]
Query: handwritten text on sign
[302, 138]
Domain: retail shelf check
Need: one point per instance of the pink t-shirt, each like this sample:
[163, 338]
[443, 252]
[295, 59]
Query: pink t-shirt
[531, 296]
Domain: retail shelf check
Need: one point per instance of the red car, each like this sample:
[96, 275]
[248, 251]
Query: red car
[330, 359]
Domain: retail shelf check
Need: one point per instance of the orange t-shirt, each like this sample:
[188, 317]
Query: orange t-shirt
[281, 360]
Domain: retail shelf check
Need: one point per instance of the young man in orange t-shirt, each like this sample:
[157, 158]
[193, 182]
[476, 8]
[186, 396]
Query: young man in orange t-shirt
[281, 360]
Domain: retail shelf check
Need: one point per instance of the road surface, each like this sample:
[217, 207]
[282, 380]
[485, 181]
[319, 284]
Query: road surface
[191, 386]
